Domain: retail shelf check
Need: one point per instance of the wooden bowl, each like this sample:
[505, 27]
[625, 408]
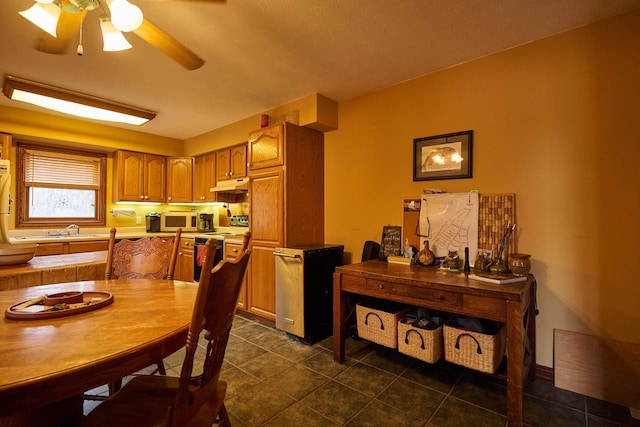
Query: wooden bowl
[17, 253]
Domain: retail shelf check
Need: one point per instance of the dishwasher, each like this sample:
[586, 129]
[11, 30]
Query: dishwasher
[304, 290]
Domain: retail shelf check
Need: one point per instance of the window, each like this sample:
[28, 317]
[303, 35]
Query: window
[59, 186]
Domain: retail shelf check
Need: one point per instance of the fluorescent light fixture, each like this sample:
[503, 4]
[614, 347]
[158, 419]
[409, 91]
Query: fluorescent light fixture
[74, 103]
[43, 15]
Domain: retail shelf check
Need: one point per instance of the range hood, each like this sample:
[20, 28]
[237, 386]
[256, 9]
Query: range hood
[240, 185]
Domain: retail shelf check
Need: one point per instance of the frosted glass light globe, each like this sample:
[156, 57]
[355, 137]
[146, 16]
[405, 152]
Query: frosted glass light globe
[125, 16]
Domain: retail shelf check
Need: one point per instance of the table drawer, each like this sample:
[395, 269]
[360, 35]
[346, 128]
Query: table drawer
[443, 299]
[487, 308]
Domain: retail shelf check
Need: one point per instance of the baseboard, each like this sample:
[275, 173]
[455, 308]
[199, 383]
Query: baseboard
[544, 373]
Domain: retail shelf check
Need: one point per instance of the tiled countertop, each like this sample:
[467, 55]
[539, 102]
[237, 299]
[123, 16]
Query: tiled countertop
[43, 270]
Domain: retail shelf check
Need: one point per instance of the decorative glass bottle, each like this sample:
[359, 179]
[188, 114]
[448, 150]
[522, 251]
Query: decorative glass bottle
[498, 266]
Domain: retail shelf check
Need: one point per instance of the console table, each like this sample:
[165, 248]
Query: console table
[428, 287]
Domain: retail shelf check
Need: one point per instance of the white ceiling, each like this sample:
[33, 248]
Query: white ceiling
[264, 53]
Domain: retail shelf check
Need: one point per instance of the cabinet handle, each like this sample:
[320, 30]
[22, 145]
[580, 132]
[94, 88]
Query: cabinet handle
[235, 250]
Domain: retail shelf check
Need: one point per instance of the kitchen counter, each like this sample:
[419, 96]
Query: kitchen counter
[44, 270]
[123, 233]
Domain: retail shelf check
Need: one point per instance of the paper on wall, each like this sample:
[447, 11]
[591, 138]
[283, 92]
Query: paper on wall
[449, 221]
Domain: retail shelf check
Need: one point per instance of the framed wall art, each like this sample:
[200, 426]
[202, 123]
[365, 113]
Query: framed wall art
[446, 156]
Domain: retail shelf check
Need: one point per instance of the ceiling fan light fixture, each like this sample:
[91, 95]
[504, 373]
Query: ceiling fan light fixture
[74, 103]
[113, 39]
[125, 16]
[44, 15]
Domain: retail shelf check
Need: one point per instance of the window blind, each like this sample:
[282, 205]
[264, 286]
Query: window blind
[57, 169]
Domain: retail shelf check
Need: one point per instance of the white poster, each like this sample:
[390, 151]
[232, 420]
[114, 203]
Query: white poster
[449, 221]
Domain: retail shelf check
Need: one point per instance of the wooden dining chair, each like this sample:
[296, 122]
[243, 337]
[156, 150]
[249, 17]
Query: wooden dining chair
[145, 258]
[189, 400]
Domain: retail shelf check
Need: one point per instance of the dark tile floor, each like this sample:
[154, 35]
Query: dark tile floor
[275, 380]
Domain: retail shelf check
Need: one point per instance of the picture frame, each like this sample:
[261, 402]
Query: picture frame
[447, 156]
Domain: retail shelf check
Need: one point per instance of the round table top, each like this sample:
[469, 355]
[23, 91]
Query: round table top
[44, 360]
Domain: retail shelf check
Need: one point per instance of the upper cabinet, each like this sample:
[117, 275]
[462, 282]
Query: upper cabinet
[204, 177]
[231, 163]
[179, 179]
[139, 177]
[266, 148]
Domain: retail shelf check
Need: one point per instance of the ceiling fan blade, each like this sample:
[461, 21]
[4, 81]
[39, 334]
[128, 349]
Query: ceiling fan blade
[170, 46]
[201, 1]
[68, 26]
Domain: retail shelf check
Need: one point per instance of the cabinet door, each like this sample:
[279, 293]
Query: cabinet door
[231, 252]
[130, 170]
[155, 172]
[262, 279]
[204, 178]
[238, 161]
[180, 179]
[184, 263]
[223, 164]
[266, 148]
[88, 246]
[266, 209]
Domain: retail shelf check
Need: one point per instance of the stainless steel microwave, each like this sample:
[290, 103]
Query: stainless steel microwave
[171, 221]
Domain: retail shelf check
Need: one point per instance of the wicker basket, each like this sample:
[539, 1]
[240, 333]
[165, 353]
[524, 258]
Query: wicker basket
[474, 350]
[420, 343]
[377, 321]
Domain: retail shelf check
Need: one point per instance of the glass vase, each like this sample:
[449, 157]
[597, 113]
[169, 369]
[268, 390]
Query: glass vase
[498, 266]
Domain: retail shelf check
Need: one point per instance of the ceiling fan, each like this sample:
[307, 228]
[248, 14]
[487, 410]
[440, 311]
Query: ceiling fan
[65, 17]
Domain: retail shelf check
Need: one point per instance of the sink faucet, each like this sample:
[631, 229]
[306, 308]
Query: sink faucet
[67, 231]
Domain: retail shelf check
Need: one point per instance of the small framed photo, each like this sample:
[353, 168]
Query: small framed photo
[443, 156]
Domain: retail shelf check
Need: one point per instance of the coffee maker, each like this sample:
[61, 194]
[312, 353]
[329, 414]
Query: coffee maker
[153, 222]
[205, 222]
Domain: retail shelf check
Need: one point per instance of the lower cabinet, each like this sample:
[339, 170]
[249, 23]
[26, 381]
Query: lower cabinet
[184, 263]
[71, 247]
[261, 295]
[231, 252]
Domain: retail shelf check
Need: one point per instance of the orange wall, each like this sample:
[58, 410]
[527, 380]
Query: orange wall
[557, 122]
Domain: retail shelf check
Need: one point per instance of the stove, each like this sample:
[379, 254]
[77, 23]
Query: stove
[239, 221]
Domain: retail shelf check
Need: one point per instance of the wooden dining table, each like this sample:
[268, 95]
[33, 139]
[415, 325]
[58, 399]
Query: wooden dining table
[47, 361]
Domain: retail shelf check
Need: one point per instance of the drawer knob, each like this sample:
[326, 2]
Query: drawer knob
[441, 298]
[380, 286]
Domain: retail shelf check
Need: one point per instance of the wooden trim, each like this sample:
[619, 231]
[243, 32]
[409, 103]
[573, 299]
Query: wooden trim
[544, 373]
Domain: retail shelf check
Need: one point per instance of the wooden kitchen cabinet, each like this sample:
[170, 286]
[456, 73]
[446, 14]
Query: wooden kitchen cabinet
[139, 177]
[60, 248]
[286, 202]
[266, 148]
[231, 163]
[231, 252]
[204, 177]
[184, 263]
[179, 179]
